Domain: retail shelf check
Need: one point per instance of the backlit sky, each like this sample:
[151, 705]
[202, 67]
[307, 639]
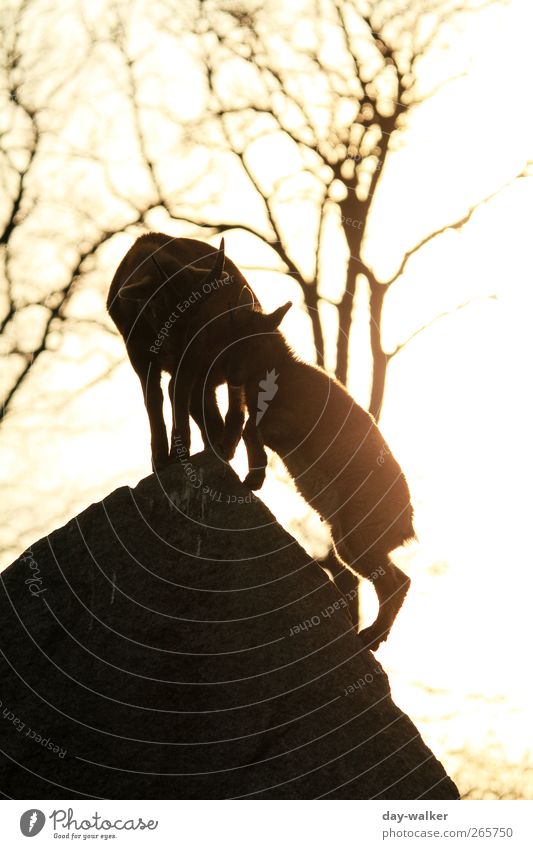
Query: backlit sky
[457, 412]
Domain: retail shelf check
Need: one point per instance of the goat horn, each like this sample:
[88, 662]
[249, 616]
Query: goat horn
[246, 299]
[215, 272]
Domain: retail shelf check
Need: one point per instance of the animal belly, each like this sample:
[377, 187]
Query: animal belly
[317, 487]
[367, 503]
[380, 512]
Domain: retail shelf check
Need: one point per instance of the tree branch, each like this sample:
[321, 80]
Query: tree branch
[456, 225]
[436, 318]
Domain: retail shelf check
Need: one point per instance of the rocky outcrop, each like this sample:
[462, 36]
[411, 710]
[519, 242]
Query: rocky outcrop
[173, 641]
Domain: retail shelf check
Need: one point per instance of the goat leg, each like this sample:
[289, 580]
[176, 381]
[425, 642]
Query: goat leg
[205, 412]
[391, 586]
[150, 378]
[233, 422]
[180, 391]
[257, 458]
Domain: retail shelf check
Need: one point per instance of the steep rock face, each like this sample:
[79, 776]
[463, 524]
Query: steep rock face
[173, 641]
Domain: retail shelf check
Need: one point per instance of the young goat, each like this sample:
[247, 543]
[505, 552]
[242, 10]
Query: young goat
[172, 301]
[334, 451]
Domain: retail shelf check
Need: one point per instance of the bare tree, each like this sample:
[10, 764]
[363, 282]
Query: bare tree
[62, 204]
[296, 116]
[332, 94]
[37, 98]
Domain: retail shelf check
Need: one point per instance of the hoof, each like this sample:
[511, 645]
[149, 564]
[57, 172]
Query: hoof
[174, 459]
[370, 639]
[227, 451]
[160, 465]
[254, 479]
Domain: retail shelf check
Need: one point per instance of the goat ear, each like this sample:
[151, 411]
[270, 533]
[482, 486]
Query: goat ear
[275, 318]
[138, 290]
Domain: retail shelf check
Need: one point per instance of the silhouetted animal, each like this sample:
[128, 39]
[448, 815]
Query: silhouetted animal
[333, 449]
[172, 301]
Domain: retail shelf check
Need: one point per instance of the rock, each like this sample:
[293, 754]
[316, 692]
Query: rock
[173, 641]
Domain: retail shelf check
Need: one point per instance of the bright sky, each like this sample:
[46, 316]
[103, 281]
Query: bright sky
[457, 413]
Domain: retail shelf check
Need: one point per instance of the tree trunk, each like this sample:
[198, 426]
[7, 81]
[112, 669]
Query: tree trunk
[310, 293]
[345, 321]
[379, 357]
[354, 237]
